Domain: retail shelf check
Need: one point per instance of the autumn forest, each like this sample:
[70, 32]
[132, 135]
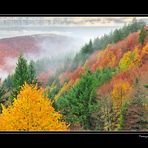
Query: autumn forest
[101, 85]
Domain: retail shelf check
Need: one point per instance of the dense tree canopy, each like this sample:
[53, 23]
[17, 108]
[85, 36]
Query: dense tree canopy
[31, 111]
[80, 102]
[103, 87]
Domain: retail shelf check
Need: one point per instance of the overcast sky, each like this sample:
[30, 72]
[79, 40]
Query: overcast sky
[94, 21]
[80, 21]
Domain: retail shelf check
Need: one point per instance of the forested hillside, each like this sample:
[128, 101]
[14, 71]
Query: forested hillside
[104, 87]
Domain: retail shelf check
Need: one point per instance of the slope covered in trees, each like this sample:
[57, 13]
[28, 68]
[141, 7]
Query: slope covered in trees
[34, 47]
[104, 87]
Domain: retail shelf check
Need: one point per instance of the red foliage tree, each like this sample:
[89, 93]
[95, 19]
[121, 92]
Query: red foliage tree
[71, 75]
[44, 76]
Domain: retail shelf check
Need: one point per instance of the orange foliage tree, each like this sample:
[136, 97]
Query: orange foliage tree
[107, 59]
[145, 49]
[144, 53]
[31, 111]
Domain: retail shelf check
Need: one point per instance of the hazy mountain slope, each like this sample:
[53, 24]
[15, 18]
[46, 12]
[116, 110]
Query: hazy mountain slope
[34, 47]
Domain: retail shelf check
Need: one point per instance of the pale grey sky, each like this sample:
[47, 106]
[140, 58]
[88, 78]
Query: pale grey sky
[79, 21]
[93, 21]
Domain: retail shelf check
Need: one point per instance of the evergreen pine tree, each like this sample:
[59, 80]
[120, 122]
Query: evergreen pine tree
[31, 73]
[142, 35]
[79, 103]
[146, 85]
[20, 75]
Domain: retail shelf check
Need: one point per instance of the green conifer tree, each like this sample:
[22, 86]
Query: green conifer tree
[31, 73]
[20, 75]
[142, 35]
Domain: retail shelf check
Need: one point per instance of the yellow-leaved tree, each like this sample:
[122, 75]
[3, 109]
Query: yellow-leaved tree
[130, 59]
[31, 111]
[120, 94]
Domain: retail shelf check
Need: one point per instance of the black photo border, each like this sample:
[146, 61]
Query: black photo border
[92, 138]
